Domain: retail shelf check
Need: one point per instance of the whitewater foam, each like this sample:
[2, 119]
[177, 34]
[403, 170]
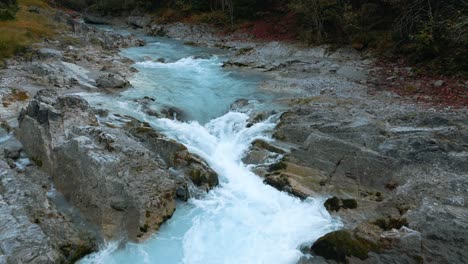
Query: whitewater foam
[242, 220]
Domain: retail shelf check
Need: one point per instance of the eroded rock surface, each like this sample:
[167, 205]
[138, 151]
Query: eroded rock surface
[34, 229]
[119, 182]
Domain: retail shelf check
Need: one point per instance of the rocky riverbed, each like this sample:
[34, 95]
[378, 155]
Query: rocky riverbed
[395, 172]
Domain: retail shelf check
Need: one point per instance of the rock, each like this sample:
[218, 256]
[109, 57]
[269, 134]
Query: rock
[59, 74]
[158, 30]
[404, 239]
[34, 229]
[335, 204]
[105, 191]
[95, 19]
[139, 21]
[334, 68]
[12, 152]
[339, 245]
[203, 177]
[239, 104]
[186, 32]
[438, 83]
[46, 53]
[176, 155]
[279, 182]
[111, 80]
[172, 112]
[443, 228]
[397, 173]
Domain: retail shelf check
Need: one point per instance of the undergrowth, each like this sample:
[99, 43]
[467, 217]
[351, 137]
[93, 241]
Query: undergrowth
[27, 27]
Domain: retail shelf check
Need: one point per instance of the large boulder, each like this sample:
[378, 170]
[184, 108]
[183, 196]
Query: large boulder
[46, 53]
[112, 80]
[176, 156]
[35, 229]
[121, 183]
[139, 21]
[95, 19]
[116, 182]
[397, 164]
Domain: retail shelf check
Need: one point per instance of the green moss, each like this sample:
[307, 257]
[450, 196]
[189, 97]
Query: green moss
[244, 51]
[349, 203]
[332, 204]
[335, 204]
[7, 14]
[197, 176]
[278, 182]
[281, 165]
[144, 228]
[390, 223]
[5, 126]
[74, 252]
[340, 244]
[37, 161]
[95, 41]
[70, 41]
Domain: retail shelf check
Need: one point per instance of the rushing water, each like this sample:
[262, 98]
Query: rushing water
[242, 220]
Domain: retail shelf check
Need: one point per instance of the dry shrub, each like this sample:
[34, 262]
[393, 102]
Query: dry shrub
[16, 35]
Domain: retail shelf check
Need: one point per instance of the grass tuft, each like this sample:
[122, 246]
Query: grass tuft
[18, 34]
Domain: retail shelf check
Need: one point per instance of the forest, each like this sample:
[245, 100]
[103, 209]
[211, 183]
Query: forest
[433, 32]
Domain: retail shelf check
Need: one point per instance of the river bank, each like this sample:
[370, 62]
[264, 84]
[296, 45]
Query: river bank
[396, 168]
[387, 163]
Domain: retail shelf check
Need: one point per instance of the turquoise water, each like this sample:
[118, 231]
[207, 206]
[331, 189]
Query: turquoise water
[190, 79]
[242, 220]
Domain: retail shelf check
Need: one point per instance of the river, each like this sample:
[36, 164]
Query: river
[242, 220]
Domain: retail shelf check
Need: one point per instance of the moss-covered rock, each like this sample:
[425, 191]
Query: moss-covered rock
[279, 182]
[74, 252]
[390, 223]
[349, 203]
[200, 176]
[281, 165]
[334, 204]
[339, 245]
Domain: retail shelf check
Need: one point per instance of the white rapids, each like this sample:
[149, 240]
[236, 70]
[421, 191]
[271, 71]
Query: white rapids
[240, 221]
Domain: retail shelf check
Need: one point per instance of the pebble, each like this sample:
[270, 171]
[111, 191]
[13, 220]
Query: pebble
[439, 83]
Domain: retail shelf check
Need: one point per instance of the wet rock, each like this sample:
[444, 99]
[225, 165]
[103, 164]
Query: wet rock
[279, 182]
[12, 152]
[172, 112]
[239, 104]
[139, 21]
[176, 155]
[202, 177]
[111, 80]
[339, 245]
